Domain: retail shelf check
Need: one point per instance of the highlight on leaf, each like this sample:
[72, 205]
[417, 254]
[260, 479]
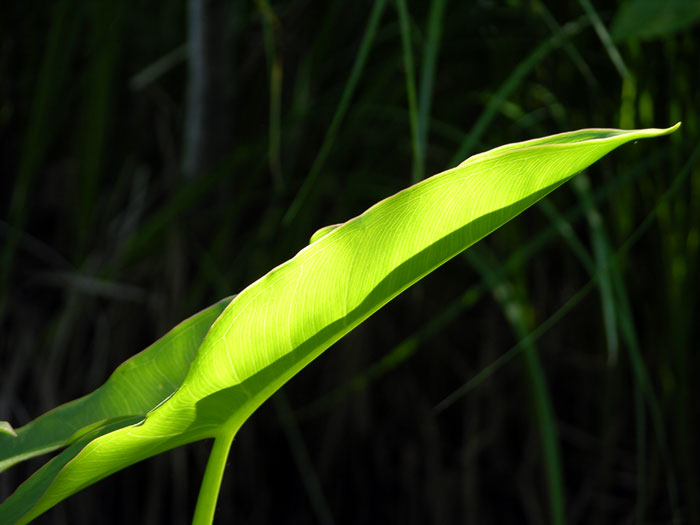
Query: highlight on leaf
[205, 378]
[6, 428]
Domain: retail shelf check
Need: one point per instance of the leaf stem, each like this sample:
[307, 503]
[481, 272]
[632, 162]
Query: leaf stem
[214, 473]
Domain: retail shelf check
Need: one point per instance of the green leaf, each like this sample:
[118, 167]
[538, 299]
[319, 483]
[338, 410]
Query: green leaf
[6, 428]
[321, 232]
[283, 321]
[650, 19]
[15, 507]
[136, 387]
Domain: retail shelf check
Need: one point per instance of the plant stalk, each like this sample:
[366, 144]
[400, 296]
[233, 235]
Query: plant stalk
[214, 473]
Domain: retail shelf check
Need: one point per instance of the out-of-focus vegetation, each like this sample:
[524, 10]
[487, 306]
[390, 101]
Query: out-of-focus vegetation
[157, 158]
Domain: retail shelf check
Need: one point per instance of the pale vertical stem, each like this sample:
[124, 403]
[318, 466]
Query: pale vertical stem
[410, 90]
[207, 116]
[211, 484]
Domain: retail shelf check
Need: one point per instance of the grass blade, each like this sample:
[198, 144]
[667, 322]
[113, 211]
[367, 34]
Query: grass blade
[604, 36]
[329, 140]
[513, 309]
[512, 82]
[430, 53]
[418, 149]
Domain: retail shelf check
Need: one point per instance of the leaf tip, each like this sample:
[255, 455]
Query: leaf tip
[673, 128]
[657, 132]
[6, 428]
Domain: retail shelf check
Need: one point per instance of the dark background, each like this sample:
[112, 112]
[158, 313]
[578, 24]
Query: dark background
[142, 179]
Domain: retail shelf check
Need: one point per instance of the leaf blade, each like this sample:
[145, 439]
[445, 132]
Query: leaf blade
[292, 314]
[149, 377]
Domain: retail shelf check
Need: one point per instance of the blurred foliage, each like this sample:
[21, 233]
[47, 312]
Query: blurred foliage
[106, 245]
[647, 19]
